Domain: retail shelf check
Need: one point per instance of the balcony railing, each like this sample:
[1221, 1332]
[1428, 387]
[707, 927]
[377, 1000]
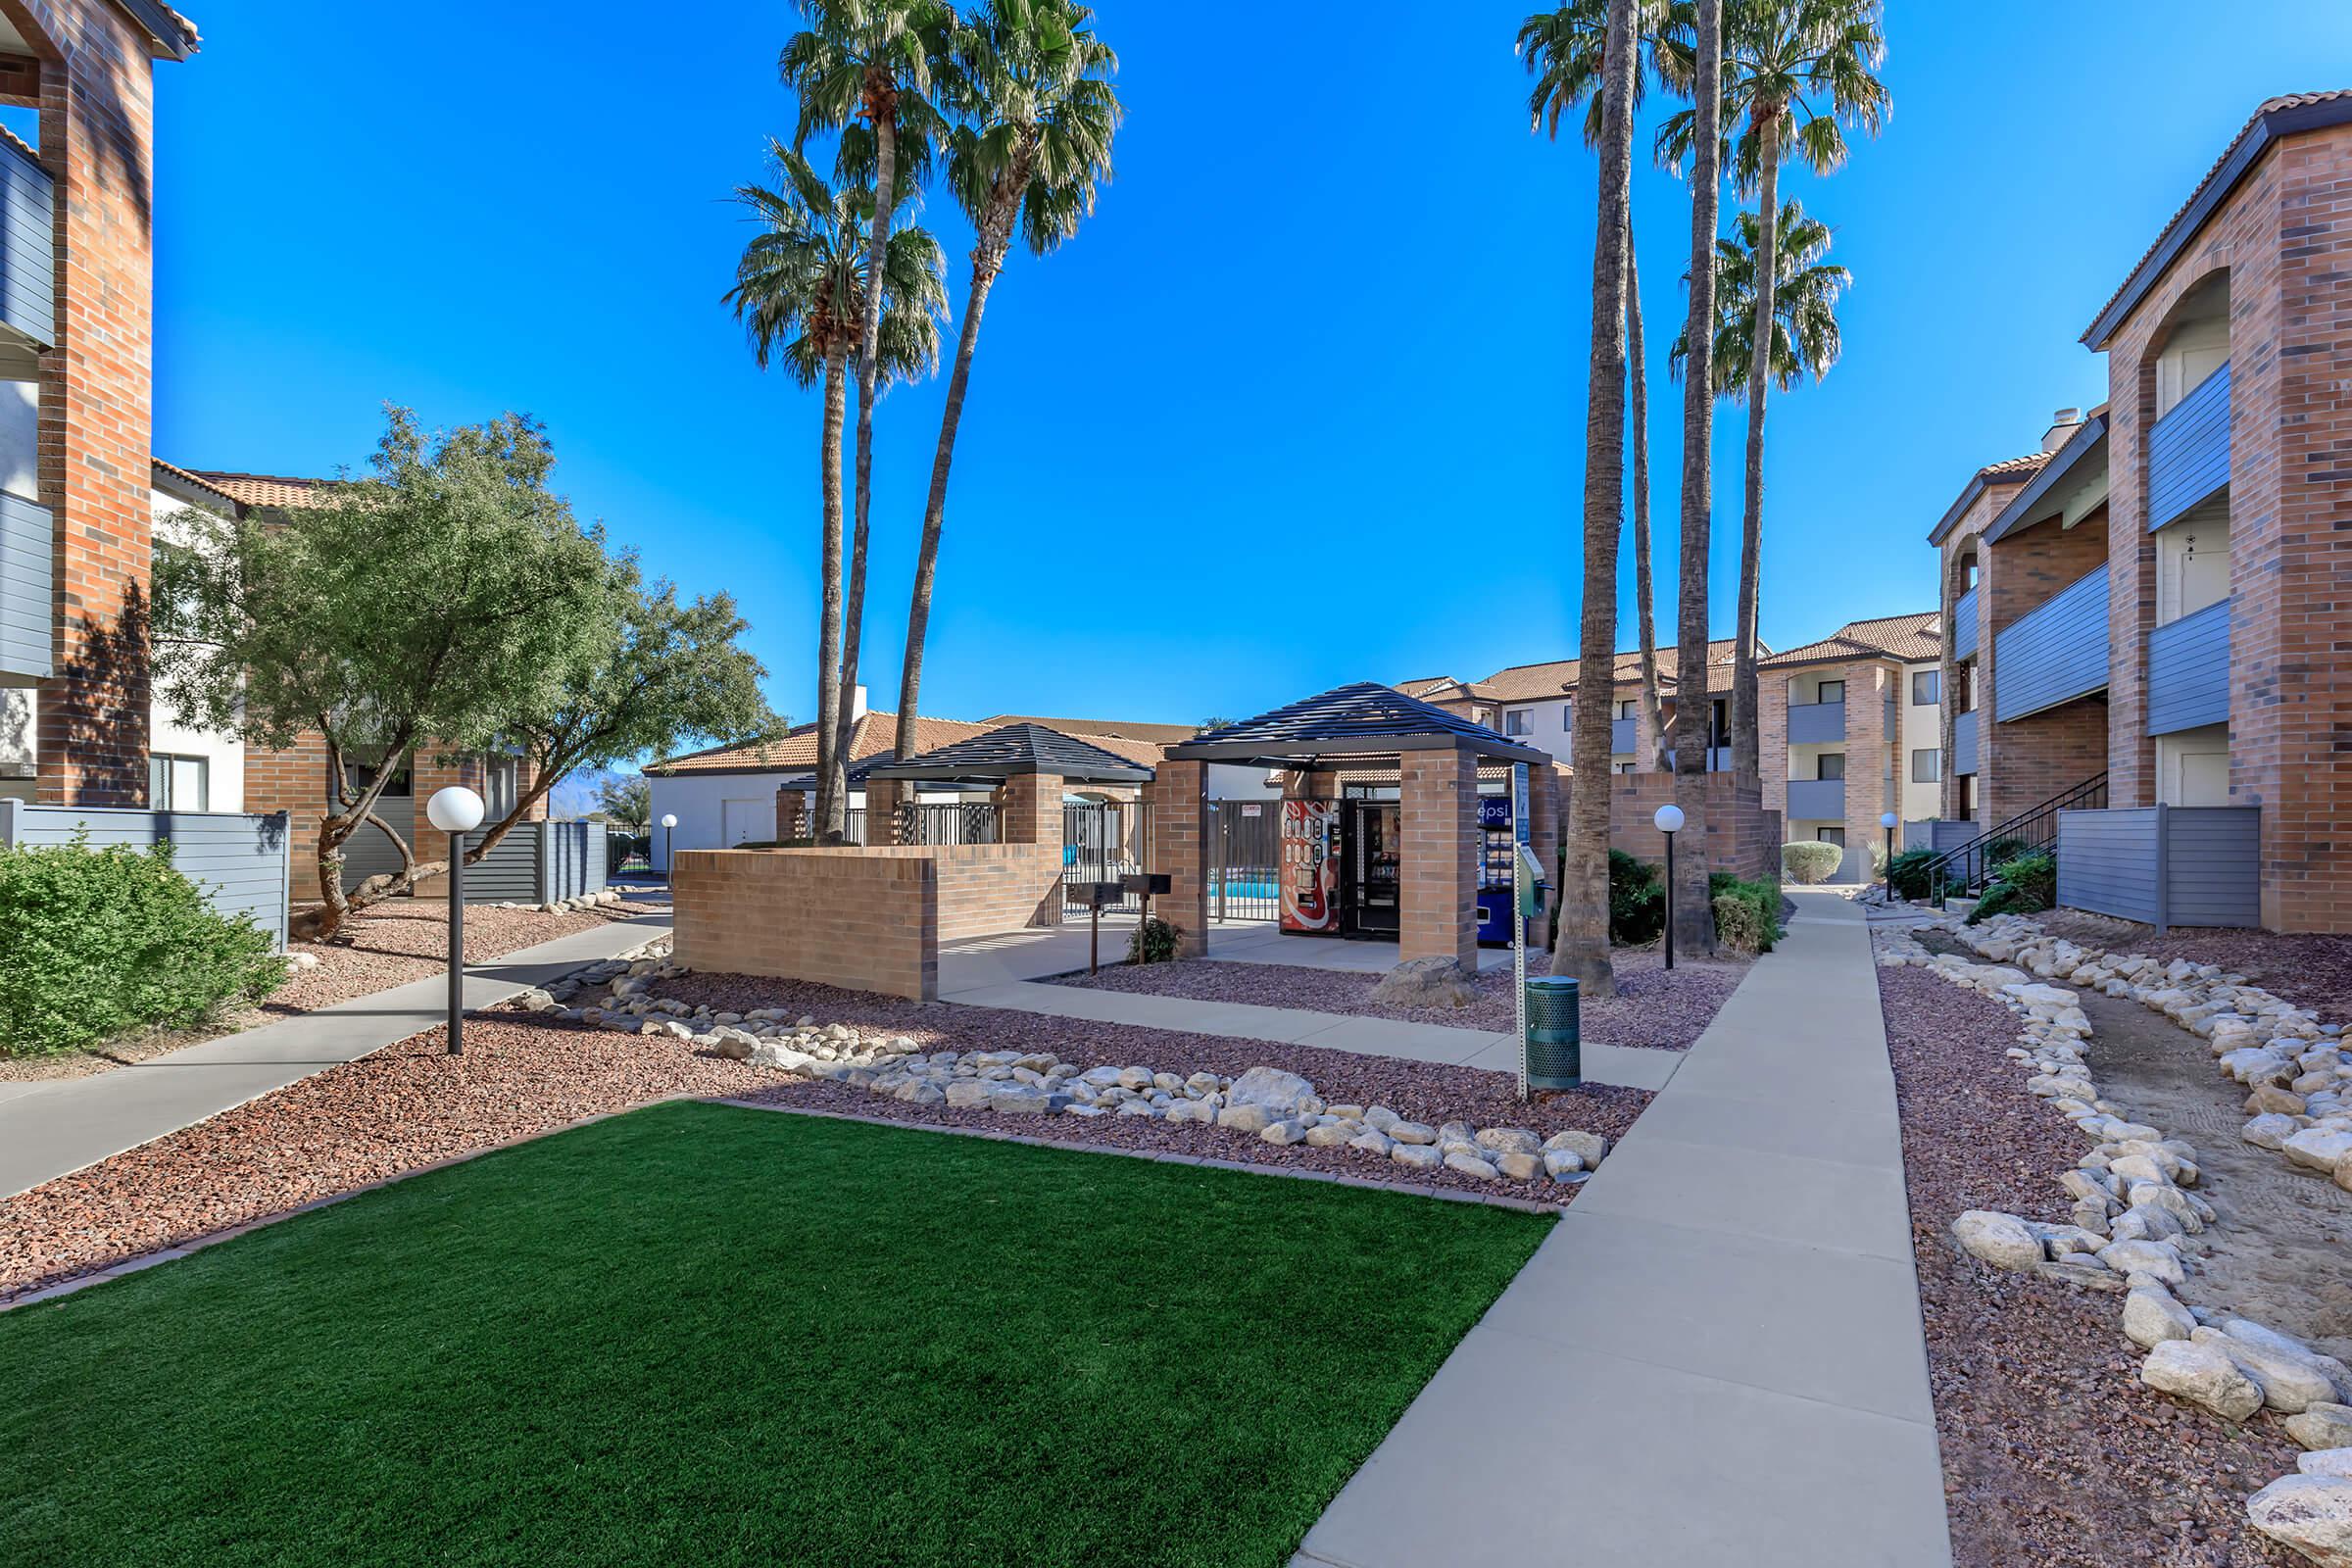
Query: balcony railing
[1964, 624]
[2188, 450]
[28, 247]
[1816, 799]
[1718, 758]
[2188, 671]
[1964, 741]
[2054, 654]
[1815, 724]
[25, 643]
[1622, 735]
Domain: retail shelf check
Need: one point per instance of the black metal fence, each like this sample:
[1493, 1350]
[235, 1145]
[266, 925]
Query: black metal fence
[1245, 860]
[1103, 842]
[952, 822]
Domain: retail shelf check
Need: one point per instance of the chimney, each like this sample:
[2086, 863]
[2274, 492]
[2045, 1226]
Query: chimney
[857, 703]
[2063, 425]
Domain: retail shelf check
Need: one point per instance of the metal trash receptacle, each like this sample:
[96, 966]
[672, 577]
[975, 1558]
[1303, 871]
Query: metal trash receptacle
[1554, 1044]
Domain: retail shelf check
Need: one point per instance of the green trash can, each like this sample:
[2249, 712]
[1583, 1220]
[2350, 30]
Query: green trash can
[1556, 1057]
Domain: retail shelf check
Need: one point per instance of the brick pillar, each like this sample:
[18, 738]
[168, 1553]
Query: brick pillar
[1440, 826]
[1029, 809]
[883, 797]
[792, 811]
[1179, 799]
[1547, 810]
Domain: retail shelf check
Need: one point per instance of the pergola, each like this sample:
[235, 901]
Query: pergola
[1024, 765]
[1436, 755]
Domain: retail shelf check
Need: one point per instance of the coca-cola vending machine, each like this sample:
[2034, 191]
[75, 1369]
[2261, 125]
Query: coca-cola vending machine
[1310, 867]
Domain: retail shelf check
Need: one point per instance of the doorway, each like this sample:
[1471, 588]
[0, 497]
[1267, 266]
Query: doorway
[1371, 860]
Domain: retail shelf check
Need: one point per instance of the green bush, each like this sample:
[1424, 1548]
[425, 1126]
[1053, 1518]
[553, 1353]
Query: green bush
[1738, 927]
[102, 941]
[1636, 900]
[1154, 942]
[2021, 885]
[1908, 872]
[2000, 852]
[1761, 896]
[1809, 860]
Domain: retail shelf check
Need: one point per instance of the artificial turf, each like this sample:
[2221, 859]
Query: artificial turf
[703, 1334]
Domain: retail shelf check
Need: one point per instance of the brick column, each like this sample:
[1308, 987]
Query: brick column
[1440, 882]
[1179, 801]
[792, 812]
[1548, 808]
[1029, 809]
[883, 797]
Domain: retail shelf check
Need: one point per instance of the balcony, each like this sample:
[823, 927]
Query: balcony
[26, 644]
[1622, 735]
[28, 248]
[1815, 724]
[2188, 671]
[2055, 653]
[1813, 800]
[1719, 759]
[1964, 741]
[2188, 450]
[1964, 625]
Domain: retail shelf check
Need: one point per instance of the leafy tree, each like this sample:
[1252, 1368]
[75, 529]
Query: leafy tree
[800, 291]
[627, 801]
[866, 64]
[428, 601]
[1805, 339]
[1581, 947]
[1035, 117]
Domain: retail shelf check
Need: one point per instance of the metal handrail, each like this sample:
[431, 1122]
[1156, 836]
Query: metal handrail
[2037, 827]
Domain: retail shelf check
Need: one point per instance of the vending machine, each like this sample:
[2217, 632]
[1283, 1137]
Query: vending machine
[1310, 867]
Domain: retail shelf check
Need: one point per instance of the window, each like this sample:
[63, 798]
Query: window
[180, 783]
[499, 783]
[1830, 765]
[1923, 687]
[1926, 765]
[1830, 691]
[1625, 768]
[1625, 705]
[1964, 688]
[1965, 797]
[1567, 717]
[1514, 722]
[1833, 835]
[358, 775]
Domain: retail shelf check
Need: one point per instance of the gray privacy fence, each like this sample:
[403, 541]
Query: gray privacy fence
[2164, 865]
[538, 862]
[1938, 833]
[239, 860]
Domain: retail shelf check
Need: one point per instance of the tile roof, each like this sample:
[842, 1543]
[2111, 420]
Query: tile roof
[1163, 734]
[1555, 678]
[1913, 639]
[875, 734]
[1011, 748]
[1363, 718]
[2284, 114]
[191, 478]
[2009, 470]
[260, 489]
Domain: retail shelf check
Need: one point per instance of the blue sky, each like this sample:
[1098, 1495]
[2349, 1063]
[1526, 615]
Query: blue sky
[1302, 404]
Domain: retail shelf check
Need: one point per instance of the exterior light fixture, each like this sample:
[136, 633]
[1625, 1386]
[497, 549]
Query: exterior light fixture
[1669, 820]
[457, 812]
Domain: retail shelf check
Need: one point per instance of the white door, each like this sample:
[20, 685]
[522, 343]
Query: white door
[746, 821]
[2204, 778]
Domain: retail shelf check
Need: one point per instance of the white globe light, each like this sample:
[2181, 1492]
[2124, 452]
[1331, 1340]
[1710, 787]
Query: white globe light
[669, 819]
[1669, 819]
[1887, 820]
[455, 810]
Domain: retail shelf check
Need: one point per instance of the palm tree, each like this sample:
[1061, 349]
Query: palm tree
[1689, 59]
[1800, 72]
[1035, 119]
[1805, 339]
[801, 291]
[1563, 51]
[1581, 947]
[868, 61]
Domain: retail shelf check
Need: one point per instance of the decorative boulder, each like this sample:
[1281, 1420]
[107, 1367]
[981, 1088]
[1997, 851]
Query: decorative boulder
[2151, 1317]
[2002, 1239]
[2310, 1514]
[1280, 1095]
[2204, 1375]
[1427, 983]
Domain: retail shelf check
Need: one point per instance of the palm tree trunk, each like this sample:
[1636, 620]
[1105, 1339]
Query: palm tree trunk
[869, 369]
[831, 811]
[1638, 436]
[1581, 947]
[1745, 742]
[1694, 912]
[987, 258]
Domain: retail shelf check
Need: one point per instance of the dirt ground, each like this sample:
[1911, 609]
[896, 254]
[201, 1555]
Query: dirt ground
[2310, 969]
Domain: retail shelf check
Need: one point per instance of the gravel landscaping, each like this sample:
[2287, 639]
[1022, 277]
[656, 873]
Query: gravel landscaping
[2308, 969]
[408, 939]
[1652, 1008]
[2054, 1452]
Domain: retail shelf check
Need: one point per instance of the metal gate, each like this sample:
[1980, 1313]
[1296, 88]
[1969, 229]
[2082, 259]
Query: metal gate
[1245, 860]
[1103, 841]
[952, 822]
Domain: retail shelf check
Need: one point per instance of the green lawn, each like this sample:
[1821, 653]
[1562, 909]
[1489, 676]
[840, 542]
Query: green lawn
[699, 1333]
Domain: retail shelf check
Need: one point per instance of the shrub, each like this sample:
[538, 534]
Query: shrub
[2000, 852]
[1877, 860]
[1154, 942]
[1737, 927]
[1760, 896]
[101, 940]
[1636, 900]
[2021, 885]
[1810, 861]
[1908, 872]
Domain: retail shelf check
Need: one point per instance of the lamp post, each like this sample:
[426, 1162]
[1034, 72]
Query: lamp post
[1669, 819]
[457, 812]
[1886, 820]
[670, 843]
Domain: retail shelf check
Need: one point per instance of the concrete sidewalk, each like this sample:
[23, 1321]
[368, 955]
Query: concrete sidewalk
[1003, 973]
[1717, 1356]
[53, 1128]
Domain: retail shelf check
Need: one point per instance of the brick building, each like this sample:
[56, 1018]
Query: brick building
[1848, 730]
[1534, 703]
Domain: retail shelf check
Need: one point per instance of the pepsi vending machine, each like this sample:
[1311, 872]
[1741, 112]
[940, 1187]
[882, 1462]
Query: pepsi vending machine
[1497, 850]
[1310, 867]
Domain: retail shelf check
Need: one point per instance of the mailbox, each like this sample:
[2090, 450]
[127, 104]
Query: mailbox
[1095, 895]
[1150, 884]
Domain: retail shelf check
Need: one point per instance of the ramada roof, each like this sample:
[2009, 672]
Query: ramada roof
[874, 735]
[1913, 639]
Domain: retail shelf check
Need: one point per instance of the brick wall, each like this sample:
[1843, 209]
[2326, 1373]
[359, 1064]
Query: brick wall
[1179, 799]
[1743, 836]
[97, 139]
[1439, 830]
[294, 781]
[883, 797]
[985, 889]
[1967, 539]
[2284, 236]
[2024, 761]
[1029, 809]
[792, 813]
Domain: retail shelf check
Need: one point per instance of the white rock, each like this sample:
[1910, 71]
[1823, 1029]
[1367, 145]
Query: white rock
[2153, 1317]
[2311, 1514]
[1330, 1134]
[1372, 1142]
[1406, 1132]
[1421, 1156]
[1519, 1165]
[1471, 1165]
[1283, 1132]
[1584, 1145]
[2271, 1130]
[1507, 1140]
[2202, 1375]
[2335, 1462]
[2318, 1148]
[2289, 1383]
[2157, 1259]
[2002, 1239]
[1280, 1094]
[1245, 1118]
[1559, 1162]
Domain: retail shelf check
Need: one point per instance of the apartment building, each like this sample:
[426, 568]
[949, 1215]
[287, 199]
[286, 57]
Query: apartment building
[1535, 704]
[2145, 614]
[1848, 728]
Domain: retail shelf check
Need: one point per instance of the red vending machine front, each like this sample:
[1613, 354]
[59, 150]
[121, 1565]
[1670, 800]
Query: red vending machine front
[1310, 867]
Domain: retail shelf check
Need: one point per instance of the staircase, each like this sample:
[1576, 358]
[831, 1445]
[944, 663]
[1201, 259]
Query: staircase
[1967, 868]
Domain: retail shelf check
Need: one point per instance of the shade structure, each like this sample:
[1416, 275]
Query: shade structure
[1007, 751]
[1357, 720]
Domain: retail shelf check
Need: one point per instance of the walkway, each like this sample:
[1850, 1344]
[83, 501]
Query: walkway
[1003, 971]
[1717, 1356]
[55, 1128]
